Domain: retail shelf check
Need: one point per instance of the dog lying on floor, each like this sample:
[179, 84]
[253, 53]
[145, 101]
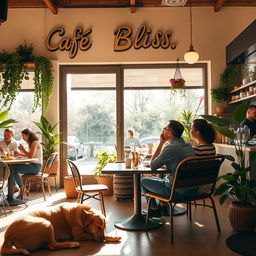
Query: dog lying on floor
[51, 225]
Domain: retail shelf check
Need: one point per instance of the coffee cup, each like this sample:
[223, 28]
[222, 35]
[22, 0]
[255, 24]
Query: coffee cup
[128, 162]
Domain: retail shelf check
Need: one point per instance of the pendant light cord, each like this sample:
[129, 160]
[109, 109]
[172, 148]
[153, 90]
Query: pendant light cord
[190, 22]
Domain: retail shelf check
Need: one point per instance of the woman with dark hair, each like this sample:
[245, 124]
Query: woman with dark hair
[203, 133]
[34, 151]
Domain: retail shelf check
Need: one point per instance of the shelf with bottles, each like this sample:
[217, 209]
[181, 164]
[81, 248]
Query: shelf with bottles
[243, 92]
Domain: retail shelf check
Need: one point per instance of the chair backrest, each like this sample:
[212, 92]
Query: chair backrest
[76, 174]
[48, 166]
[4, 175]
[196, 172]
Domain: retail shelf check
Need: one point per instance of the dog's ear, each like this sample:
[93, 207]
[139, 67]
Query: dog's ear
[87, 218]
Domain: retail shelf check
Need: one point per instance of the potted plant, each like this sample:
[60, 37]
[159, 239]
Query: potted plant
[50, 141]
[103, 159]
[13, 72]
[220, 95]
[237, 185]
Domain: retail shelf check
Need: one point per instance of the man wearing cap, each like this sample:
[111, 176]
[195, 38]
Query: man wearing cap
[8, 144]
[172, 149]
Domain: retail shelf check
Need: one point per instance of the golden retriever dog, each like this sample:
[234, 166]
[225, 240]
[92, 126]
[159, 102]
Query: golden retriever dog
[52, 226]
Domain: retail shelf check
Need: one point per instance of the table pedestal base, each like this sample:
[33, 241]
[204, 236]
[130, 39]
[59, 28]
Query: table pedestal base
[137, 222]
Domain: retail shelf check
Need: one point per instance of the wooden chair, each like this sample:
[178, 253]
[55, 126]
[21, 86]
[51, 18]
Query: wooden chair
[198, 174]
[42, 177]
[4, 175]
[83, 190]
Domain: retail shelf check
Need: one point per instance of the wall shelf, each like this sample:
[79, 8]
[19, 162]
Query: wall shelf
[241, 88]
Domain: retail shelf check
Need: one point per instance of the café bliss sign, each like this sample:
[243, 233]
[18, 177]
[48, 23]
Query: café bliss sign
[80, 40]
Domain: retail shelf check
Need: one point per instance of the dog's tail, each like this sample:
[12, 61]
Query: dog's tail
[8, 249]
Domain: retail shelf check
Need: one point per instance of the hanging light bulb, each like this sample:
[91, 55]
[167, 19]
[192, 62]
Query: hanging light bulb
[191, 56]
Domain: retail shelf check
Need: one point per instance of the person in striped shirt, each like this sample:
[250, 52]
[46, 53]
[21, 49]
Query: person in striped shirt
[203, 133]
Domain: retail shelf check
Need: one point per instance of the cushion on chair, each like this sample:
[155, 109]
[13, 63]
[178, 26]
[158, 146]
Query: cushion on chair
[94, 188]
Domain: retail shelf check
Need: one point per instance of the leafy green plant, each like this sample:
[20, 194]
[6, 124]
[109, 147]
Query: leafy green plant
[103, 159]
[50, 140]
[12, 73]
[43, 82]
[232, 76]
[5, 123]
[237, 185]
[220, 94]
[25, 52]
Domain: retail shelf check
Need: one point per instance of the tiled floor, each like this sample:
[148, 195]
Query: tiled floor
[197, 239]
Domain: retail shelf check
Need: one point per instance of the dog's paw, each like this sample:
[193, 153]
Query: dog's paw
[112, 238]
[74, 245]
[22, 252]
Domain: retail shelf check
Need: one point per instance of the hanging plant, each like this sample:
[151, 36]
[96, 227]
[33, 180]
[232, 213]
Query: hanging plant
[177, 82]
[43, 82]
[12, 73]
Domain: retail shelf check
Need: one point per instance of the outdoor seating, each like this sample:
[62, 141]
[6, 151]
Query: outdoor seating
[4, 175]
[41, 178]
[197, 174]
[84, 190]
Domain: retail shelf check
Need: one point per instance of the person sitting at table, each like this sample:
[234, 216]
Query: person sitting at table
[171, 150]
[8, 144]
[34, 151]
[250, 119]
[204, 135]
[131, 140]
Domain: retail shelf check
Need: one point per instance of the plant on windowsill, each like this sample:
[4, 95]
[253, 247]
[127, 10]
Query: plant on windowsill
[13, 72]
[103, 159]
[237, 185]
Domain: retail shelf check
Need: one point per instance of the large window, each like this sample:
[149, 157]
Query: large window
[102, 102]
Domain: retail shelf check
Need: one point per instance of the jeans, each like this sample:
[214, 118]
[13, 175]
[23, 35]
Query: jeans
[155, 185]
[24, 169]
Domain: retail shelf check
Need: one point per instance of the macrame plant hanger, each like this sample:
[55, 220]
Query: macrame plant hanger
[177, 82]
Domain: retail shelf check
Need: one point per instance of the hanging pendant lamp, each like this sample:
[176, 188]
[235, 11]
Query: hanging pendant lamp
[191, 56]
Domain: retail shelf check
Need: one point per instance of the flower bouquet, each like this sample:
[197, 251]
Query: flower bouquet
[177, 83]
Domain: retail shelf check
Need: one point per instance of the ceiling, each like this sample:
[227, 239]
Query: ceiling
[54, 5]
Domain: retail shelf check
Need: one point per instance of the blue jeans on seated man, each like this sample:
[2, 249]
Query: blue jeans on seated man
[31, 168]
[155, 185]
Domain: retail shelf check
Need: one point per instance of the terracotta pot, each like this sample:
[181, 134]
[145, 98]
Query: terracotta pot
[242, 218]
[108, 181]
[69, 187]
[221, 110]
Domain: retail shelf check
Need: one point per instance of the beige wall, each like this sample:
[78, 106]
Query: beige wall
[211, 33]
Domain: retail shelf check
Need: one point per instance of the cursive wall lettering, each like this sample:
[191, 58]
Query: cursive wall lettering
[123, 40]
[79, 40]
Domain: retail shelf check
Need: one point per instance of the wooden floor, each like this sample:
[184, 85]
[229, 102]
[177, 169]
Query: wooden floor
[197, 239]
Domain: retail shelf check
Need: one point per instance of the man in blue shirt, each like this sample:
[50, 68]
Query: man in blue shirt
[170, 155]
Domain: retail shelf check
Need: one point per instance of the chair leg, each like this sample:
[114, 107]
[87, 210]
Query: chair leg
[147, 215]
[102, 205]
[81, 198]
[172, 209]
[78, 197]
[189, 210]
[215, 214]
[42, 185]
[48, 186]
[55, 183]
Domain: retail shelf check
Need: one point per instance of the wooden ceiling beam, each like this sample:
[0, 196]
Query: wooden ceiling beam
[133, 7]
[218, 5]
[50, 4]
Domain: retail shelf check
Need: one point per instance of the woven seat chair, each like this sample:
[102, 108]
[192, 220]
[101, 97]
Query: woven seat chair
[84, 190]
[4, 175]
[42, 177]
[199, 174]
